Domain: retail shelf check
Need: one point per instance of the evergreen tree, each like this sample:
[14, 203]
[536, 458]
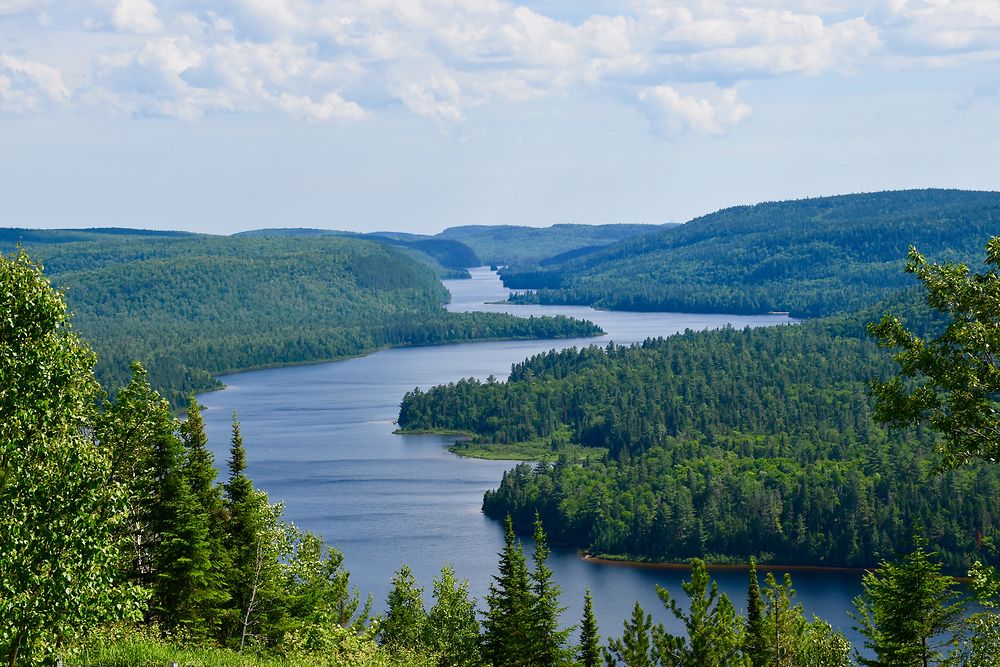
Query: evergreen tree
[907, 612]
[452, 630]
[713, 628]
[548, 641]
[257, 542]
[589, 652]
[635, 648]
[754, 644]
[508, 627]
[200, 475]
[403, 625]
[170, 533]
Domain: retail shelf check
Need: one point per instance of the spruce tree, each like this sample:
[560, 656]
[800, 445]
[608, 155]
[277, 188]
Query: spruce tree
[170, 534]
[257, 542]
[508, 627]
[548, 641]
[589, 652]
[200, 475]
[907, 612]
[754, 643]
[452, 630]
[403, 625]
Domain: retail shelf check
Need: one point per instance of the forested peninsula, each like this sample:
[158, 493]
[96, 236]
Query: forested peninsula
[191, 307]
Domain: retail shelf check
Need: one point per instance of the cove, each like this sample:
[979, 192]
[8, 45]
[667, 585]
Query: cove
[320, 439]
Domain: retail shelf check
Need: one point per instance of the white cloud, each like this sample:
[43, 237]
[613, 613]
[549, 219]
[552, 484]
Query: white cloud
[138, 16]
[11, 7]
[711, 110]
[344, 59]
[27, 87]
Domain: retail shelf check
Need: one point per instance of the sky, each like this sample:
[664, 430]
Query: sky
[417, 115]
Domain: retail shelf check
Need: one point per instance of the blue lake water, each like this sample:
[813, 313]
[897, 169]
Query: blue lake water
[319, 439]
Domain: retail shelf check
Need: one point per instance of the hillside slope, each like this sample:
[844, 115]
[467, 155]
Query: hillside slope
[518, 245]
[191, 307]
[811, 257]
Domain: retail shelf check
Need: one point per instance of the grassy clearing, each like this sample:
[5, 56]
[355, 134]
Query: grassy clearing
[532, 450]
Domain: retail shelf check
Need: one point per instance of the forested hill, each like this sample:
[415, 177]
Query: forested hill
[189, 307]
[811, 257]
[720, 445]
[449, 258]
[518, 245]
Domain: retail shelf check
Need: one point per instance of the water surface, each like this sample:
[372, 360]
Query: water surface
[319, 438]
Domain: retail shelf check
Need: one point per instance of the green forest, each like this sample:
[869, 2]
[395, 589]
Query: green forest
[191, 307]
[810, 257]
[720, 444]
[121, 547]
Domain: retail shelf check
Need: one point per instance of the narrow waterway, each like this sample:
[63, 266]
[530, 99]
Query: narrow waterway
[319, 439]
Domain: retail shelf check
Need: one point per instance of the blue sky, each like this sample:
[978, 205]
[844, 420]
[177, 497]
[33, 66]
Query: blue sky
[422, 114]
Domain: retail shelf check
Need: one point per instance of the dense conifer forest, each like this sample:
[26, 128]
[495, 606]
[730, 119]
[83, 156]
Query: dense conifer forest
[811, 257]
[720, 444]
[191, 306]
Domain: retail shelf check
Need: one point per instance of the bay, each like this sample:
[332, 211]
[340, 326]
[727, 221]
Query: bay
[320, 439]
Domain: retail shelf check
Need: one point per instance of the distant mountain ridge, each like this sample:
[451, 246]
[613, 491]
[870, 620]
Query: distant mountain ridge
[810, 257]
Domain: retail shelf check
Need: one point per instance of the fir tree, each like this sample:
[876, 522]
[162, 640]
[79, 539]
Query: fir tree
[508, 626]
[548, 641]
[403, 625]
[907, 612]
[589, 653]
[754, 643]
[257, 542]
[200, 476]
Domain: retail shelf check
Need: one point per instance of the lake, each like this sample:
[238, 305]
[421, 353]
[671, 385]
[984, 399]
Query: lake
[319, 439]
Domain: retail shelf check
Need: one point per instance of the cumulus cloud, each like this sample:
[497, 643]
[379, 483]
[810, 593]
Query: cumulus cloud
[680, 61]
[711, 110]
[27, 87]
[138, 16]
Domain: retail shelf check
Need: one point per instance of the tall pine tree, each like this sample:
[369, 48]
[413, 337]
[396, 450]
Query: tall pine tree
[508, 627]
[212, 592]
[754, 642]
[548, 641]
[589, 653]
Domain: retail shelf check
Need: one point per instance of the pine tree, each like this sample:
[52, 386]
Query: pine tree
[508, 625]
[754, 643]
[548, 641]
[712, 625]
[403, 625]
[589, 652]
[907, 611]
[452, 630]
[635, 648]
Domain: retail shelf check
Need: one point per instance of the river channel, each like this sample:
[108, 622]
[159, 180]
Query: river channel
[320, 439]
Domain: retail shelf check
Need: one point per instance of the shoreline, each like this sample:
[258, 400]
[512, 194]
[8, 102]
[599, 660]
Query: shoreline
[721, 567]
[737, 567]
